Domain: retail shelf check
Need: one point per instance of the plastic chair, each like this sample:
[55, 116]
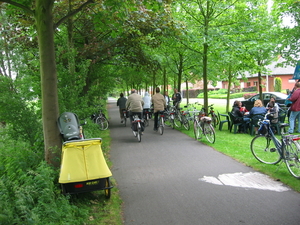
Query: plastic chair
[233, 124]
[226, 120]
[254, 121]
[281, 118]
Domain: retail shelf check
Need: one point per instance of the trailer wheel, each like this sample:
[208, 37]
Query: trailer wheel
[107, 191]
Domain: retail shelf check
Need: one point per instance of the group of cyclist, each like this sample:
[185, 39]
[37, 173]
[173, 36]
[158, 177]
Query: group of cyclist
[136, 105]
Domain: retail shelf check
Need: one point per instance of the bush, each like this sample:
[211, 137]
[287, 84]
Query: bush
[278, 84]
[249, 95]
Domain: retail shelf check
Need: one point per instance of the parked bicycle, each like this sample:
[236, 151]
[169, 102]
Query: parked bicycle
[266, 148]
[100, 119]
[180, 118]
[214, 118]
[137, 127]
[203, 127]
[169, 118]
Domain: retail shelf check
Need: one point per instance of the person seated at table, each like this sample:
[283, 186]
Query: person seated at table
[239, 114]
[276, 106]
[258, 108]
[273, 112]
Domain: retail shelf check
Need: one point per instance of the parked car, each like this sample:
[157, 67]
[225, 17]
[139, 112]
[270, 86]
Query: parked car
[280, 99]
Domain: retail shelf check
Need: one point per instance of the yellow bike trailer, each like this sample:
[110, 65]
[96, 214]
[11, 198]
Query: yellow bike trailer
[83, 167]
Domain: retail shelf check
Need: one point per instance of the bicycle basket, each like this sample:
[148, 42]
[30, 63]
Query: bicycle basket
[263, 129]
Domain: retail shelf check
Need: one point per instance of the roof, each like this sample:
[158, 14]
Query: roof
[277, 70]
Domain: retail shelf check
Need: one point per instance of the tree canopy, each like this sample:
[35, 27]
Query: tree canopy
[69, 55]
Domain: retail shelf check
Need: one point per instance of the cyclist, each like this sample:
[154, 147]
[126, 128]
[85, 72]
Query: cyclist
[122, 105]
[134, 105]
[159, 104]
[147, 103]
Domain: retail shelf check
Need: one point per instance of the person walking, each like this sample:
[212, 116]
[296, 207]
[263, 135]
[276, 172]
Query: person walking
[176, 97]
[159, 104]
[134, 105]
[121, 102]
[295, 109]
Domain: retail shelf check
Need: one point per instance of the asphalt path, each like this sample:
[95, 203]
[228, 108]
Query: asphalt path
[174, 179]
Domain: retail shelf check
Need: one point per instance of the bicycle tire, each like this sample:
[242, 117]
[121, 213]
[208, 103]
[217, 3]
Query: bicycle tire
[291, 158]
[177, 121]
[161, 126]
[102, 122]
[139, 133]
[172, 124]
[197, 130]
[209, 132]
[215, 120]
[264, 150]
[185, 123]
[125, 121]
[146, 122]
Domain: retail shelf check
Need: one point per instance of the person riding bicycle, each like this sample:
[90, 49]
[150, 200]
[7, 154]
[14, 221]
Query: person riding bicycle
[147, 103]
[122, 105]
[134, 105]
[159, 104]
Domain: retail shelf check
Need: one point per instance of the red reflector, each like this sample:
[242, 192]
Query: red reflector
[296, 139]
[78, 185]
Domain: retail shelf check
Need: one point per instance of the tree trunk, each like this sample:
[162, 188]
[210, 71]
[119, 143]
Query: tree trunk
[205, 52]
[50, 111]
[228, 88]
[187, 91]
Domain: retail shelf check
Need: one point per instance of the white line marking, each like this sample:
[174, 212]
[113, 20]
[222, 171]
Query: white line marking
[247, 180]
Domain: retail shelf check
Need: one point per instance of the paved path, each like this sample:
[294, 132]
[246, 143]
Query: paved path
[173, 179]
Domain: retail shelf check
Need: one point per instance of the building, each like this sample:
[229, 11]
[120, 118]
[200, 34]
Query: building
[268, 81]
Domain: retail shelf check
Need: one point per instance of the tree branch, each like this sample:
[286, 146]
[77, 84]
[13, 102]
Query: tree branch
[25, 8]
[72, 13]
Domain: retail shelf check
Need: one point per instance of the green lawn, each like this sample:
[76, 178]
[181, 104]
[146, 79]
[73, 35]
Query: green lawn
[237, 146]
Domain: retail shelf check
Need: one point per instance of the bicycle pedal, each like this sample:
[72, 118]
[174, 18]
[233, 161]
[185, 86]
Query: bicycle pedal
[272, 149]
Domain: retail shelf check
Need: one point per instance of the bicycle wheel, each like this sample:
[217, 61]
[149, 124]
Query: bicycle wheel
[171, 120]
[264, 150]
[215, 120]
[177, 120]
[185, 123]
[197, 130]
[291, 158]
[146, 122]
[209, 132]
[161, 126]
[102, 122]
[125, 121]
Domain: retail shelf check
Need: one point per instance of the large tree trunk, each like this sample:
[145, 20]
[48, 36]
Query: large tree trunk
[50, 111]
[205, 81]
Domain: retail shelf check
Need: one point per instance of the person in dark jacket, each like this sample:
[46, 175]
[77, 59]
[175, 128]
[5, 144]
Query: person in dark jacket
[239, 114]
[121, 102]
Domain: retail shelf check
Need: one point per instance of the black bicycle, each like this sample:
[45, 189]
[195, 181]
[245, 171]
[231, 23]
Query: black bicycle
[266, 148]
[100, 119]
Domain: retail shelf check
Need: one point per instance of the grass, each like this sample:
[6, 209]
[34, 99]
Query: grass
[237, 146]
[102, 211]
